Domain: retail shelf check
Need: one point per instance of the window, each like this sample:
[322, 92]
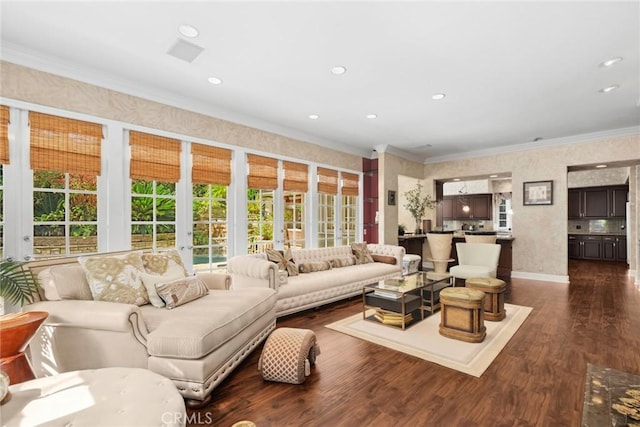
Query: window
[327, 190]
[503, 214]
[65, 159]
[154, 172]
[349, 207]
[210, 176]
[262, 181]
[295, 185]
[4, 159]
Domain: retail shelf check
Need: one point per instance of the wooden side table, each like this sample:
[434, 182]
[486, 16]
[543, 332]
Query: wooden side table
[16, 330]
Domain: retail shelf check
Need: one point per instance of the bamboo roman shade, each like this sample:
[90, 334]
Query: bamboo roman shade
[211, 165]
[349, 184]
[263, 172]
[154, 158]
[4, 135]
[64, 145]
[327, 181]
[296, 177]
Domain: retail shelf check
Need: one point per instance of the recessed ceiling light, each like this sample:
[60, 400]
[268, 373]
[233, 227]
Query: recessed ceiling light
[456, 179]
[339, 69]
[493, 176]
[314, 116]
[537, 138]
[371, 116]
[611, 61]
[438, 96]
[601, 166]
[188, 30]
[214, 80]
[609, 88]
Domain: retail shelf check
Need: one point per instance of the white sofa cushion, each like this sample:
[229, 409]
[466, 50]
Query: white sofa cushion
[65, 282]
[196, 329]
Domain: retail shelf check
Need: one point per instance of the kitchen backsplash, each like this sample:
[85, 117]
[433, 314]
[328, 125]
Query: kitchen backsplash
[611, 226]
[459, 225]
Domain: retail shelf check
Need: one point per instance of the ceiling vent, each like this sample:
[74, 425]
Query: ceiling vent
[185, 50]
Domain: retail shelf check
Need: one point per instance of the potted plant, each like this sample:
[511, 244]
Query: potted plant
[417, 204]
[401, 229]
[17, 285]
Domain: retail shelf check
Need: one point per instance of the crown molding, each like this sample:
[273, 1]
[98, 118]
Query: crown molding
[19, 55]
[386, 148]
[554, 142]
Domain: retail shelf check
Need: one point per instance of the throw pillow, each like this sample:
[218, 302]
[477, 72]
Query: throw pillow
[164, 263]
[343, 262]
[310, 267]
[151, 280]
[384, 258]
[115, 278]
[284, 260]
[181, 291]
[361, 251]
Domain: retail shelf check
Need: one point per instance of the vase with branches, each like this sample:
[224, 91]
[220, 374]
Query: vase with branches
[417, 204]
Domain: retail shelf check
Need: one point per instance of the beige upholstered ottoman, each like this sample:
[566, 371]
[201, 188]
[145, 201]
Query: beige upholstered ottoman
[288, 355]
[96, 397]
[494, 300]
[462, 314]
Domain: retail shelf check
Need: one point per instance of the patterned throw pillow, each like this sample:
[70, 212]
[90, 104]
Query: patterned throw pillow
[167, 262]
[115, 278]
[310, 267]
[343, 262]
[151, 280]
[361, 251]
[283, 260]
[181, 291]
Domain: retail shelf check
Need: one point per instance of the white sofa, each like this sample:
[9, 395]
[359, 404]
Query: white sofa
[196, 345]
[308, 290]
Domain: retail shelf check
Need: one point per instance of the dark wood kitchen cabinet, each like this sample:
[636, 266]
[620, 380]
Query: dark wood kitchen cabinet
[597, 202]
[480, 207]
[614, 248]
[606, 248]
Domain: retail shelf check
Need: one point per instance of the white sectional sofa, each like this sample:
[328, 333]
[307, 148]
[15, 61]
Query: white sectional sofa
[308, 290]
[196, 345]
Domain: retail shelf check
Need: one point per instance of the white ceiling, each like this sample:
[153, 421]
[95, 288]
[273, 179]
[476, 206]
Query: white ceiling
[511, 71]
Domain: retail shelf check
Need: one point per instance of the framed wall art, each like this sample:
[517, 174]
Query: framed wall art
[537, 193]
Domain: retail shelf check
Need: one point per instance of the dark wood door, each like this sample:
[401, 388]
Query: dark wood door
[595, 203]
[574, 248]
[609, 248]
[481, 206]
[618, 201]
[575, 210]
[621, 249]
[592, 248]
[447, 209]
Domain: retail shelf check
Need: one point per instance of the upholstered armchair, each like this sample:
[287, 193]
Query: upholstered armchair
[476, 260]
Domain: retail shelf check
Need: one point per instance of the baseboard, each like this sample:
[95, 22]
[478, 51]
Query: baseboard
[539, 276]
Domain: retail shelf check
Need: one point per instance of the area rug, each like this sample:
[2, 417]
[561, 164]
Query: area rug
[423, 340]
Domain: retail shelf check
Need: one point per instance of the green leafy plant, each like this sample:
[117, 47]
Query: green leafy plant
[401, 229]
[417, 204]
[17, 284]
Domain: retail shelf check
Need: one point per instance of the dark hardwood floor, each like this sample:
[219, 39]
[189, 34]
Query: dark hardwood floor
[537, 380]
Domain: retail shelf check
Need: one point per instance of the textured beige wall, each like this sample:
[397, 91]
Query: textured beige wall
[540, 232]
[37, 87]
[390, 167]
[589, 178]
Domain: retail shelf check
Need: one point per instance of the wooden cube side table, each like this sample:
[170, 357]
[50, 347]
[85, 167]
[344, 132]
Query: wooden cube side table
[462, 314]
[16, 330]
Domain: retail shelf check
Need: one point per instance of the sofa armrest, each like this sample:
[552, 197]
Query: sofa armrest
[395, 251]
[215, 280]
[252, 271]
[97, 315]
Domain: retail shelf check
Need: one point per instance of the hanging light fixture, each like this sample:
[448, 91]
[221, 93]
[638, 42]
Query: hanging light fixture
[462, 198]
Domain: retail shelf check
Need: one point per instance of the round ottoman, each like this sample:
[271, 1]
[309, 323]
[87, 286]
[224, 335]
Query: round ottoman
[96, 397]
[494, 301]
[288, 355]
[462, 314]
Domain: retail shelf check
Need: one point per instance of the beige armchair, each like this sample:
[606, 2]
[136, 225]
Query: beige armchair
[476, 260]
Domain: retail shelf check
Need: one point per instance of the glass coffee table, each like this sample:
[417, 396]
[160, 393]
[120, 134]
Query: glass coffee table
[400, 301]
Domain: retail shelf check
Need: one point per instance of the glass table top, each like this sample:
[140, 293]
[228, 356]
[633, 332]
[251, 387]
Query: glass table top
[409, 283]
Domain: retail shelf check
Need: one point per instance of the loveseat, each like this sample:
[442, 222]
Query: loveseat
[344, 277]
[196, 344]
